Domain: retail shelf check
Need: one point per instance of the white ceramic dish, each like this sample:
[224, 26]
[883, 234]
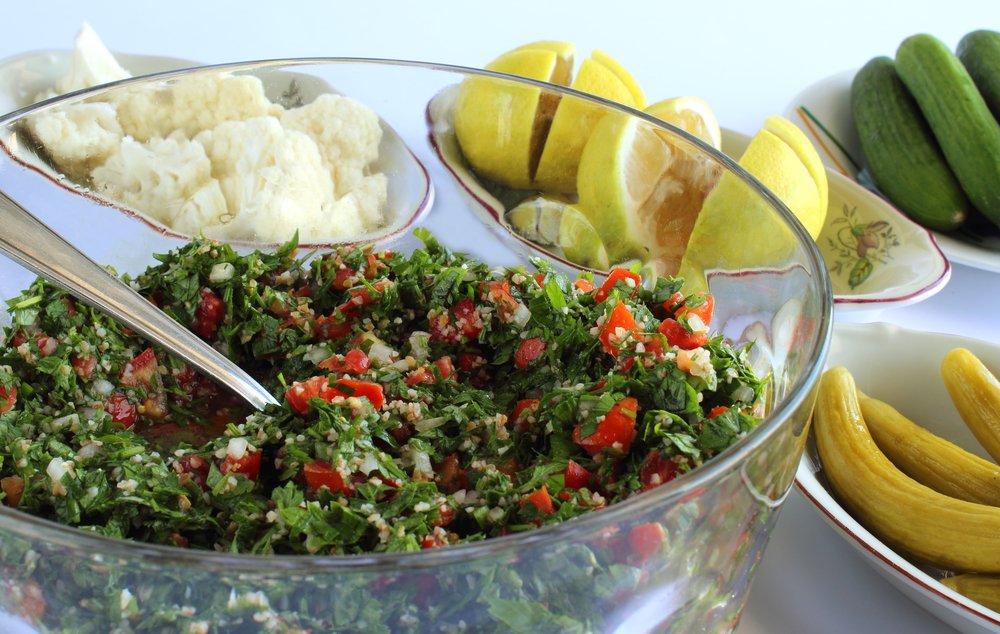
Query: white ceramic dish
[410, 191]
[905, 265]
[901, 367]
[823, 111]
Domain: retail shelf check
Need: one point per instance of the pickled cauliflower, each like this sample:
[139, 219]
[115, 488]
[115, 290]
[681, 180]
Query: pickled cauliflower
[211, 154]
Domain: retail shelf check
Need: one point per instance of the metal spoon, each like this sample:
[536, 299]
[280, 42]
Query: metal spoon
[30, 242]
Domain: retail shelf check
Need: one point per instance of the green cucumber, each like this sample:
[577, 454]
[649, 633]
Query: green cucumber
[961, 121]
[900, 150]
[980, 53]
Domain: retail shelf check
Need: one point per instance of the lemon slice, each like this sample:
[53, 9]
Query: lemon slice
[580, 241]
[501, 126]
[690, 114]
[804, 149]
[642, 189]
[574, 119]
[737, 229]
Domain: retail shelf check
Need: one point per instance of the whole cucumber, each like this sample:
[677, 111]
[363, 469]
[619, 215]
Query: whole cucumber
[961, 121]
[900, 151]
[980, 54]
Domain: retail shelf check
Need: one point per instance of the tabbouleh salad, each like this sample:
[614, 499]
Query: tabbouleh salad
[427, 399]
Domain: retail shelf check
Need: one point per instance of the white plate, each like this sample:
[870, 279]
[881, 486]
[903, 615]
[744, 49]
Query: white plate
[902, 367]
[823, 111]
[410, 191]
[905, 265]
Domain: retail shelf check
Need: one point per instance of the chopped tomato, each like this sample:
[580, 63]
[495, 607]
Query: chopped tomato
[619, 323]
[331, 327]
[467, 320]
[193, 468]
[354, 362]
[704, 308]
[656, 470]
[320, 473]
[584, 285]
[140, 370]
[300, 393]
[617, 430]
[540, 499]
[121, 410]
[469, 360]
[208, 315]
[83, 366]
[445, 365]
[575, 477]
[343, 278]
[678, 335]
[498, 293]
[617, 275]
[718, 409]
[419, 375]
[12, 487]
[528, 351]
[451, 476]
[361, 389]
[529, 405]
[8, 398]
[361, 296]
[646, 540]
[248, 465]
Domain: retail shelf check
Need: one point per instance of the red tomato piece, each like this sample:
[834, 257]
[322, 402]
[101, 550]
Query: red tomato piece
[718, 409]
[13, 487]
[703, 310]
[361, 389]
[445, 365]
[419, 375]
[617, 275]
[540, 499]
[451, 476]
[300, 393]
[498, 293]
[83, 366]
[467, 320]
[343, 279]
[646, 540]
[248, 465]
[194, 468]
[8, 398]
[140, 370]
[656, 470]
[208, 315]
[678, 335]
[332, 327]
[529, 405]
[610, 335]
[354, 362]
[320, 473]
[584, 285]
[528, 351]
[617, 430]
[469, 360]
[121, 410]
[575, 477]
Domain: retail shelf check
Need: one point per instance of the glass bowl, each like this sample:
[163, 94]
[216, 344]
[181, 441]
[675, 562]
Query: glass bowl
[580, 575]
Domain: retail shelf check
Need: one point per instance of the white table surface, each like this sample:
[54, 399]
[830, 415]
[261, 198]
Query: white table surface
[746, 59]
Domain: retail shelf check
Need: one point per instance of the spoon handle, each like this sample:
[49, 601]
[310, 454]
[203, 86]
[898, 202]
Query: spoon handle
[31, 243]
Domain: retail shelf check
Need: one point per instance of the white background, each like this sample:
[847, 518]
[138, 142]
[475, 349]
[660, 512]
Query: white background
[746, 59]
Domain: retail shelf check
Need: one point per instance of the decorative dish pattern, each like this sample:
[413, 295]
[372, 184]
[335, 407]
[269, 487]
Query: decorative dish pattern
[823, 111]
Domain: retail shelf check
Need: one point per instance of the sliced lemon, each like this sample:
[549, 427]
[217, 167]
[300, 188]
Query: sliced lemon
[690, 114]
[642, 189]
[806, 151]
[501, 126]
[737, 229]
[580, 241]
[638, 97]
[574, 119]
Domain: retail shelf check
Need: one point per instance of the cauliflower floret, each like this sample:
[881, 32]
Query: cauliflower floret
[347, 132]
[365, 202]
[92, 64]
[191, 104]
[77, 137]
[274, 182]
[168, 179]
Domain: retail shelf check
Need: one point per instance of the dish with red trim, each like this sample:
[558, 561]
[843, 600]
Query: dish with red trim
[901, 367]
[823, 112]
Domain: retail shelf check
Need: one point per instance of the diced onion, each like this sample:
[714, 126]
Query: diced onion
[104, 387]
[221, 272]
[237, 448]
[369, 464]
[743, 393]
[418, 344]
[428, 424]
[63, 421]
[521, 315]
[422, 463]
[380, 353]
[316, 355]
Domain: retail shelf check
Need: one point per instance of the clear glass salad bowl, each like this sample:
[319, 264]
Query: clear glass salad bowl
[590, 573]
